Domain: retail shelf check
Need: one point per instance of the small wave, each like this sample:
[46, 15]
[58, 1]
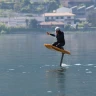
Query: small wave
[89, 72]
[20, 66]
[49, 91]
[77, 64]
[53, 65]
[86, 69]
[11, 69]
[90, 64]
[47, 65]
[24, 72]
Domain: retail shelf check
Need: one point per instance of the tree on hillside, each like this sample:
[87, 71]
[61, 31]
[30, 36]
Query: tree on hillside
[26, 6]
[33, 23]
[26, 2]
[53, 5]
[17, 6]
[91, 18]
[27, 22]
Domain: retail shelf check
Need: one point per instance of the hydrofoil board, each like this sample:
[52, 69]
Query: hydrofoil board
[49, 46]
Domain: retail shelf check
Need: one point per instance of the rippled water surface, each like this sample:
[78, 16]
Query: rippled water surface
[27, 68]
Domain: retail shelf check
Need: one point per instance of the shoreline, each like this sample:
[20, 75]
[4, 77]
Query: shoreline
[29, 30]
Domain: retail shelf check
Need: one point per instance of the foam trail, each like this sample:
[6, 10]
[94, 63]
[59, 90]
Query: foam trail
[65, 65]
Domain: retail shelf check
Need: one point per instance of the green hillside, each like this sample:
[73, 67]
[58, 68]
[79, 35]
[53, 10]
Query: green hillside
[28, 6]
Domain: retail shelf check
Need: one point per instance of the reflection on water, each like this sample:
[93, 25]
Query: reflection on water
[56, 81]
[27, 68]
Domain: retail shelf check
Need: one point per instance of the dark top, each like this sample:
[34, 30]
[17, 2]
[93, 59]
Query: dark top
[60, 37]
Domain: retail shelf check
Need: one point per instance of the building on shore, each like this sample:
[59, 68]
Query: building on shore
[63, 10]
[57, 19]
[19, 20]
[82, 12]
[67, 18]
[13, 21]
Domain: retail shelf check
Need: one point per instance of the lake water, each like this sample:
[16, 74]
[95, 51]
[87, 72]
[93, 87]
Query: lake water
[27, 68]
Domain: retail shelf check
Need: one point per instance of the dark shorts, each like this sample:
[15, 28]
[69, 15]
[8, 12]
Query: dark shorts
[59, 45]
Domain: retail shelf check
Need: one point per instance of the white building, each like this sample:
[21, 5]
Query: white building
[13, 21]
[66, 18]
[19, 21]
[63, 10]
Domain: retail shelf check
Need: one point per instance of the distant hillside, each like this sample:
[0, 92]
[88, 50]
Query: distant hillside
[30, 6]
[27, 0]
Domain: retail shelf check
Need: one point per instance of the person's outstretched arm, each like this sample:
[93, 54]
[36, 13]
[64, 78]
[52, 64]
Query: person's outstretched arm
[50, 34]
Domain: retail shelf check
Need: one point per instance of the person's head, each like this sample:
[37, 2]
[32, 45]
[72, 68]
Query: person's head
[57, 30]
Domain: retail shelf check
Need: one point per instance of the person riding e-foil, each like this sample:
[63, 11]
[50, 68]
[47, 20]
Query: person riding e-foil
[60, 38]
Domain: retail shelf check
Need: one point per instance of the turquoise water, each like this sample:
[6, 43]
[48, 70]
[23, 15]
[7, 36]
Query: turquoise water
[27, 68]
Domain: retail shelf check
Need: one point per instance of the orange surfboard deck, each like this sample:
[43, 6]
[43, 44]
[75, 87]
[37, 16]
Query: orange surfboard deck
[49, 46]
